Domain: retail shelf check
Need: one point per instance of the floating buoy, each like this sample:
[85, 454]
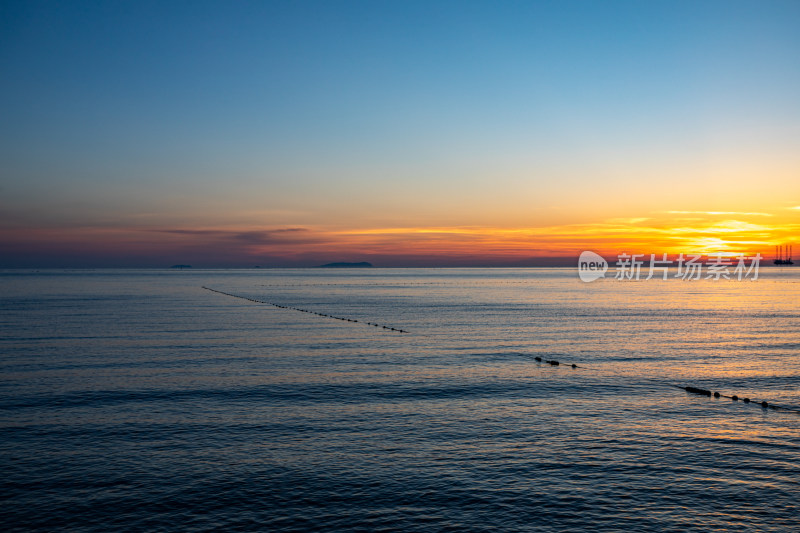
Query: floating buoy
[553, 362]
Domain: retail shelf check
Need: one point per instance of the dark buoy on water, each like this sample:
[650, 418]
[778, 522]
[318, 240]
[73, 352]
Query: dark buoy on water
[574, 365]
[716, 395]
[538, 359]
[764, 405]
[746, 400]
[735, 398]
[695, 390]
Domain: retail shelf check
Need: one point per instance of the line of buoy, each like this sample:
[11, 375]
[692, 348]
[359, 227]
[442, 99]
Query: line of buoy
[344, 319]
[764, 404]
[553, 362]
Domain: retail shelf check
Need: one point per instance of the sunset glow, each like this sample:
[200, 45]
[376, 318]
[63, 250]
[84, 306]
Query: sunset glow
[422, 246]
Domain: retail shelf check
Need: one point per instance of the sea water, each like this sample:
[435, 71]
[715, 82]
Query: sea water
[140, 401]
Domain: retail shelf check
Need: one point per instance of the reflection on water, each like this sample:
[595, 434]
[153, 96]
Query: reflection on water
[136, 399]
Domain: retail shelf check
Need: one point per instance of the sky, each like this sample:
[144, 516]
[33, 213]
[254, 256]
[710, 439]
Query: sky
[404, 133]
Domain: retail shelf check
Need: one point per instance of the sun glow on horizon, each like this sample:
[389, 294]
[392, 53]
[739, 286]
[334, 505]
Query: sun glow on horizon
[657, 233]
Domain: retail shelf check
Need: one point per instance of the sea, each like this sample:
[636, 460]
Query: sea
[417, 400]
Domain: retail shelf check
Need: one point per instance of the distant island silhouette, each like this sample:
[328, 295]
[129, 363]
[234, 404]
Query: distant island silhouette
[362, 264]
[181, 266]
